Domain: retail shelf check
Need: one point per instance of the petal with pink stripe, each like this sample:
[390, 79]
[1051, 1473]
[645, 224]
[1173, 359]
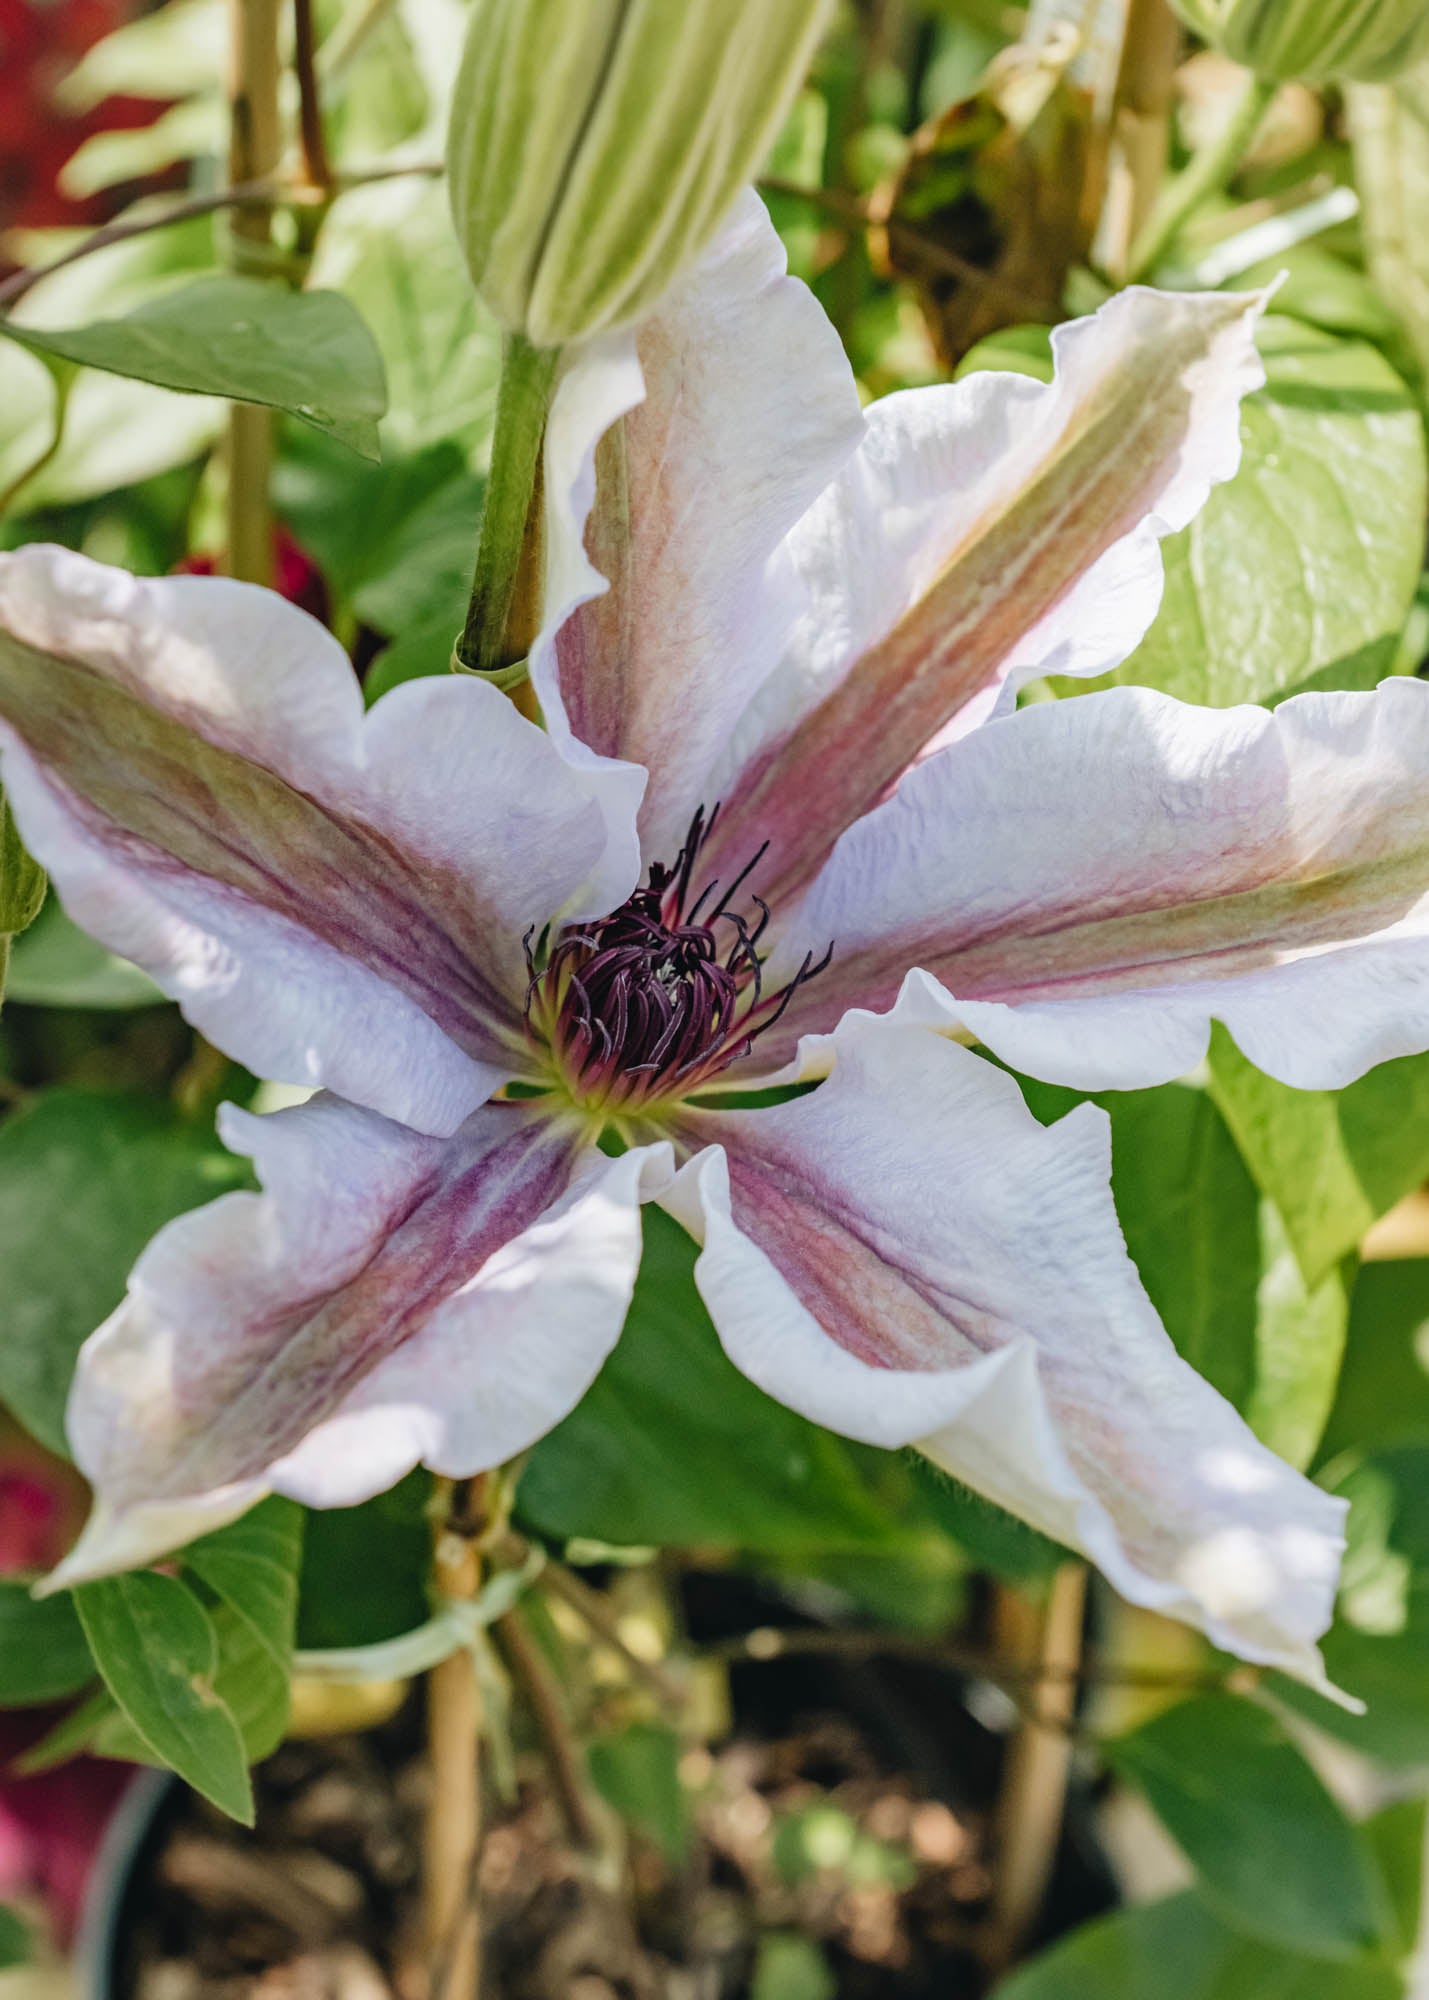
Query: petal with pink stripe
[692, 445]
[334, 900]
[986, 532]
[906, 1256]
[1086, 885]
[389, 1299]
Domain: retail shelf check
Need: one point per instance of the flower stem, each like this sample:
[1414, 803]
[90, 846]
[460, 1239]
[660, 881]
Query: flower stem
[1208, 171]
[1039, 1761]
[527, 377]
[317, 171]
[452, 1837]
[255, 142]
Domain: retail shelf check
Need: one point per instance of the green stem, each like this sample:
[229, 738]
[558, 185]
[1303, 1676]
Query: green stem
[1208, 171]
[527, 376]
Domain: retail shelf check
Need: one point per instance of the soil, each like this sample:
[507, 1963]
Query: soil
[841, 1852]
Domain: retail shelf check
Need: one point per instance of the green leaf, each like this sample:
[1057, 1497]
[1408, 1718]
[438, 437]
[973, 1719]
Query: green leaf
[395, 544]
[391, 248]
[364, 1568]
[22, 880]
[15, 1939]
[1272, 1850]
[1383, 1396]
[1304, 566]
[117, 432]
[251, 1566]
[347, 515]
[672, 1445]
[1216, 1262]
[43, 1652]
[636, 1770]
[1190, 1213]
[244, 339]
[1178, 1949]
[56, 964]
[157, 1649]
[86, 1178]
[1299, 1344]
[1331, 1161]
[1391, 156]
[1378, 1646]
[1396, 1839]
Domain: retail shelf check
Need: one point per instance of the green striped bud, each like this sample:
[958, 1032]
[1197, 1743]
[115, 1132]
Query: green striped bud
[595, 145]
[1355, 40]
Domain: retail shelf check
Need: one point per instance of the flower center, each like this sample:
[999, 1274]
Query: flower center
[657, 998]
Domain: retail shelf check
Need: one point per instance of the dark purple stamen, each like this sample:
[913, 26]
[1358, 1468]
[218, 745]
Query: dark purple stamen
[648, 1002]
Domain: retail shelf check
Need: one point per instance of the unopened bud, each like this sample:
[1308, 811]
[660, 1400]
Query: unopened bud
[1313, 39]
[595, 145]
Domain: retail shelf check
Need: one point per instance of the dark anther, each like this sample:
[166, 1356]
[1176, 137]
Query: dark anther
[649, 1002]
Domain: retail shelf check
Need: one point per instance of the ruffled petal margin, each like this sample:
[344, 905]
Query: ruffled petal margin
[1086, 885]
[907, 1257]
[389, 1299]
[334, 900]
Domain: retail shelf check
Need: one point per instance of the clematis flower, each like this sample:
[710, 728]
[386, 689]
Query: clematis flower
[784, 826]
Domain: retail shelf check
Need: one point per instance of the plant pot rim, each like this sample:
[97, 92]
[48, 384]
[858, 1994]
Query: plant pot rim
[130, 1827]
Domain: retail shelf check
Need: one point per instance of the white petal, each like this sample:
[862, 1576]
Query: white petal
[389, 1299]
[739, 407]
[334, 900]
[905, 1255]
[1090, 883]
[987, 531]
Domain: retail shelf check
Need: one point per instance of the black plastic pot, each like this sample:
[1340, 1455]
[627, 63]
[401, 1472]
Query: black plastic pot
[134, 1831]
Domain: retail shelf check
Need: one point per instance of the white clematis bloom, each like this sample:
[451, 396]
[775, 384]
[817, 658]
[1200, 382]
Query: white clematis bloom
[763, 599]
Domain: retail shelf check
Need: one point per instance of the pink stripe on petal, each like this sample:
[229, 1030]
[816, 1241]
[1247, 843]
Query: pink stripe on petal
[1091, 882]
[191, 762]
[389, 1298]
[987, 532]
[748, 409]
[906, 1256]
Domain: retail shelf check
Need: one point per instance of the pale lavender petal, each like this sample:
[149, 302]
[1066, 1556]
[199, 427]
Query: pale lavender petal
[334, 900]
[389, 1299]
[748, 409]
[906, 1256]
[1088, 884]
[987, 531]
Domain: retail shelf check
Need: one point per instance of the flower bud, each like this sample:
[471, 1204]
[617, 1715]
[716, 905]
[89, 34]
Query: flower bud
[1356, 40]
[595, 145]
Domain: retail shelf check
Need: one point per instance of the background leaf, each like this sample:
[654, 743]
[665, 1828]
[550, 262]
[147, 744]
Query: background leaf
[1178, 1949]
[1303, 567]
[242, 338]
[1332, 1161]
[251, 1566]
[14, 1938]
[673, 1445]
[86, 1177]
[157, 1650]
[55, 964]
[1272, 1850]
[44, 1655]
